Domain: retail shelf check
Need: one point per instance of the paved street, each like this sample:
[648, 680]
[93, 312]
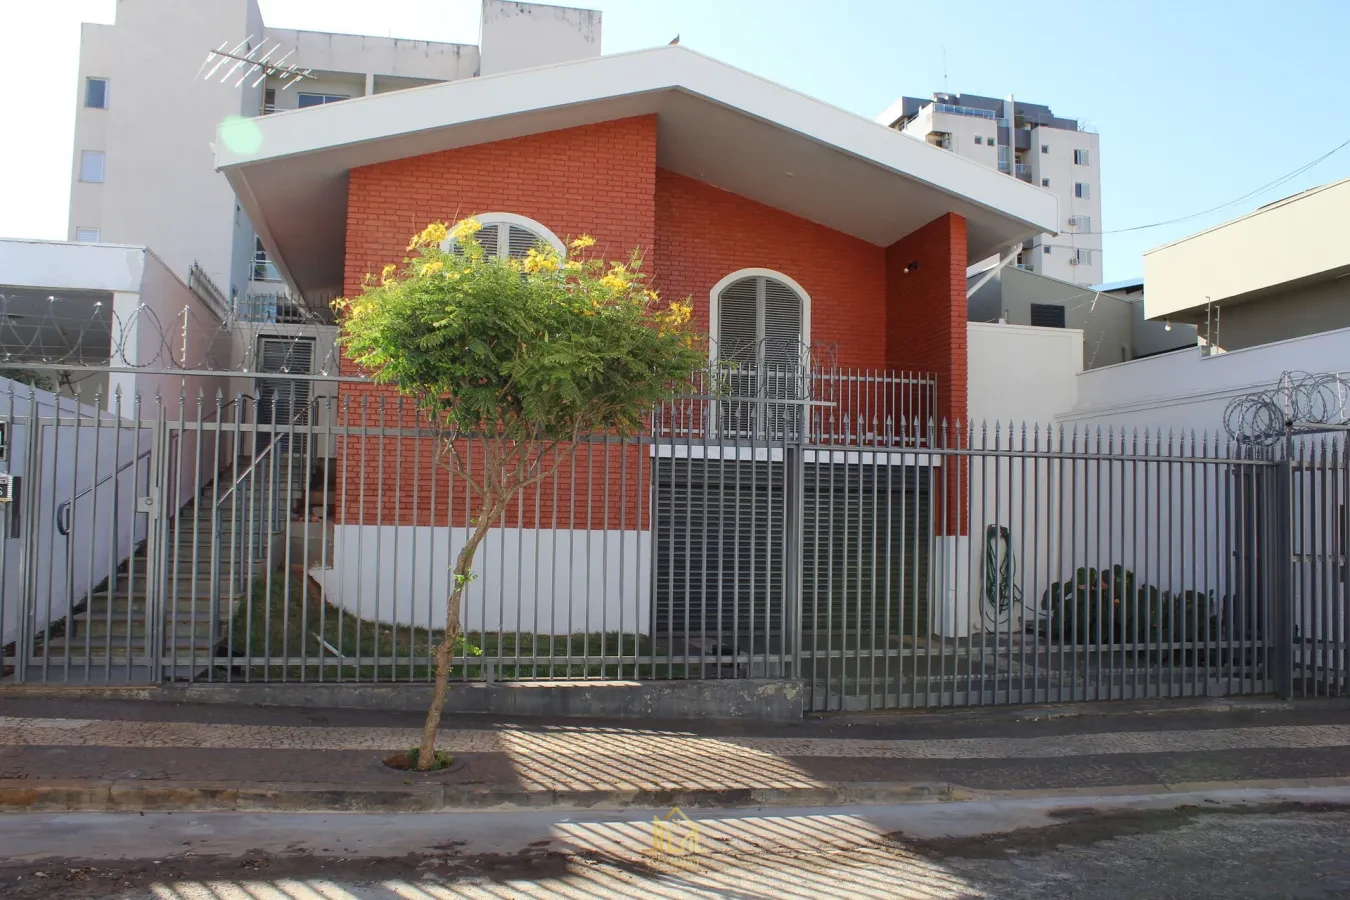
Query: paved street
[1235, 844]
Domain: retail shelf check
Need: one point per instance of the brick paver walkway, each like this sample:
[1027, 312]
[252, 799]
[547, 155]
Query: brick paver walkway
[586, 742]
[585, 757]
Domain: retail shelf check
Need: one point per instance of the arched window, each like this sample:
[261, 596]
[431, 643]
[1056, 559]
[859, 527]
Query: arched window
[760, 316]
[510, 234]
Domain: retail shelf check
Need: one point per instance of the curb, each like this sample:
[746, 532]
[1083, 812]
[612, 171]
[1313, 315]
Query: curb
[106, 795]
[21, 795]
[1085, 710]
[760, 700]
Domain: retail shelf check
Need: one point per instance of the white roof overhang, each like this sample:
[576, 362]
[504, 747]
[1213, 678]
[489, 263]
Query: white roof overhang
[715, 123]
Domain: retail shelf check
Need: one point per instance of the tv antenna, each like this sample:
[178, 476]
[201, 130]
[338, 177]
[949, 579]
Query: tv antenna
[253, 59]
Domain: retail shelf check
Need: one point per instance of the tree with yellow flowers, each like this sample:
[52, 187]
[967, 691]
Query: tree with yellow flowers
[521, 357]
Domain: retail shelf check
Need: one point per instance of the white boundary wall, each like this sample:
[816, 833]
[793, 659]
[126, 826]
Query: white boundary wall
[1190, 389]
[1149, 523]
[1023, 375]
[550, 581]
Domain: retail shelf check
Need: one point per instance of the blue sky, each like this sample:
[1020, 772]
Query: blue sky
[1197, 101]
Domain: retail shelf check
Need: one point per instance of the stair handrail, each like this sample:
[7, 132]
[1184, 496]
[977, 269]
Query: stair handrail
[261, 456]
[217, 558]
[66, 507]
[63, 510]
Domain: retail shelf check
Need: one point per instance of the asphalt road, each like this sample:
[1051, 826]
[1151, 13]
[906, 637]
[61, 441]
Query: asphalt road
[1225, 844]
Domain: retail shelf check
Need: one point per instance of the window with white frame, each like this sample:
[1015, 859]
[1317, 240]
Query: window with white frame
[87, 235]
[1082, 256]
[1082, 191]
[96, 93]
[1080, 158]
[761, 318]
[91, 166]
[515, 235]
[1082, 224]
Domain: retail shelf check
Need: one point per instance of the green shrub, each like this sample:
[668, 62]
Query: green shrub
[1101, 607]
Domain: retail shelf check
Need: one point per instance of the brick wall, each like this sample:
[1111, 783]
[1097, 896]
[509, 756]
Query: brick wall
[926, 329]
[704, 234]
[925, 323]
[603, 180]
[597, 179]
[398, 481]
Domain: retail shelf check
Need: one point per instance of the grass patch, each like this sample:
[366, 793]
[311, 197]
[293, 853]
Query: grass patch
[287, 619]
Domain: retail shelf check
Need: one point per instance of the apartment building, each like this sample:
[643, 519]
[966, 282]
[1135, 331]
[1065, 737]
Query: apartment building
[146, 116]
[1026, 141]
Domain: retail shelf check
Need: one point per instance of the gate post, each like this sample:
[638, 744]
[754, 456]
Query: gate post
[1280, 541]
[151, 505]
[28, 533]
[794, 473]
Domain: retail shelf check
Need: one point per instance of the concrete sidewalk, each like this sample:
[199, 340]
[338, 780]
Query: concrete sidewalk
[69, 754]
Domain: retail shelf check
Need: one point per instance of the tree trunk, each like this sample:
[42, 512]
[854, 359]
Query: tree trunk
[445, 650]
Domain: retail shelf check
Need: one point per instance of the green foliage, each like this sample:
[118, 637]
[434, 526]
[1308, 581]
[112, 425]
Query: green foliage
[29, 377]
[1100, 607]
[541, 348]
[444, 759]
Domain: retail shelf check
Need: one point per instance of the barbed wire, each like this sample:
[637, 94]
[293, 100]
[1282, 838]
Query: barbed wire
[272, 333]
[258, 334]
[1300, 402]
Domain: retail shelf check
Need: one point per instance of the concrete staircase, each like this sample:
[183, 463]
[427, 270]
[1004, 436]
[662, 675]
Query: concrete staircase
[108, 638]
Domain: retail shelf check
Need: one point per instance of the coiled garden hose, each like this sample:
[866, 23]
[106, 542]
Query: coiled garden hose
[1000, 593]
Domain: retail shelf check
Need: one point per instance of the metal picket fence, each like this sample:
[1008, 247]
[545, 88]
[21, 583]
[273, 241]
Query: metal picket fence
[816, 525]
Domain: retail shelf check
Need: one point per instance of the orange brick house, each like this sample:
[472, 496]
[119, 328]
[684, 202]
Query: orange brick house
[787, 221]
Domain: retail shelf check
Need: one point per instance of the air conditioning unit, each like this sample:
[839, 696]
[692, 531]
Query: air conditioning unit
[1073, 260]
[1073, 222]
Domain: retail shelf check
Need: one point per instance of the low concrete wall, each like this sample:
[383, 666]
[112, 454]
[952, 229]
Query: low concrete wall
[764, 700]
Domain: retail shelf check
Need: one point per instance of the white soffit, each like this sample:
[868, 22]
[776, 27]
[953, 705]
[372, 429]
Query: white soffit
[716, 123]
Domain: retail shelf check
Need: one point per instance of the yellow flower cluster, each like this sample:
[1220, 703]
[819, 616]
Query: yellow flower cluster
[583, 242]
[432, 235]
[674, 317]
[536, 261]
[387, 273]
[465, 229]
[680, 312]
[617, 279]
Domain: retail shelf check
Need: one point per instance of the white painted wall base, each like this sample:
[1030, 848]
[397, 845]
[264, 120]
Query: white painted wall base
[951, 574]
[549, 581]
[960, 607]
